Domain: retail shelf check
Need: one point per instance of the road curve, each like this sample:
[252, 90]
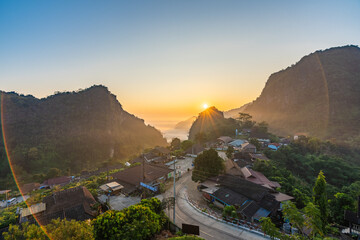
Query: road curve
[210, 229]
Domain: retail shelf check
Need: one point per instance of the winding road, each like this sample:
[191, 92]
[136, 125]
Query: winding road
[209, 228]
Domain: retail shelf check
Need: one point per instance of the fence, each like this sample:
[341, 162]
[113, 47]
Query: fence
[244, 225]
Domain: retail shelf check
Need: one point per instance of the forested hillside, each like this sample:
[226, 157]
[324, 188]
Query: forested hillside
[71, 131]
[319, 96]
[211, 124]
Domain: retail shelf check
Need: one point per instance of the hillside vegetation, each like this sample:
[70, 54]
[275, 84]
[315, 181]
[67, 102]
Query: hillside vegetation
[71, 131]
[318, 96]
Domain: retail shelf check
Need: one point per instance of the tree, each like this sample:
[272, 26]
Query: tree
[139, 221]
[56, 230]
[207, 164]
[229, 211]
[245, 120]
[320, 198]
[338, 205]
[295, 217]
[53, 172]
[269, 228]
[185, 145]
[201, 137]
[255, 142]
[229, 152]
[313, 220]
[175, 144]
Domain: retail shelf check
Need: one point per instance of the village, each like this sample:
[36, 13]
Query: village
[239, 197]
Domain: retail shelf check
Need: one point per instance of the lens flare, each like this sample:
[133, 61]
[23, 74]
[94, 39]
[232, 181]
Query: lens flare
[2, 114]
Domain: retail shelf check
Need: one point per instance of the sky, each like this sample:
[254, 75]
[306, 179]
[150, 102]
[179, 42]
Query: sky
[165, 59]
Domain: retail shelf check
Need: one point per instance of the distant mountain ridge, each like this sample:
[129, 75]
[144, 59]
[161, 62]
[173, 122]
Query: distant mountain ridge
[212, 124]
[75, 130]
[319, 95]
[186, 124]
[234, 113]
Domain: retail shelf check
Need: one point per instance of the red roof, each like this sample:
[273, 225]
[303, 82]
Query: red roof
[275, 144]
[259, 178]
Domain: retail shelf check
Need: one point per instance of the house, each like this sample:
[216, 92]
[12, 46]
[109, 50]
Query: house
[29, 187]
[248, 148]
[145, 175]
[224, 140]
[156, 155]
[246, 131]
[274, 146]
[162, 151]
[232, 168]
[37, 209]
[251, 200]
[237, 143]
[73, 203]
[258, 178]
[52, 182]
[113, 188]
[258, 156]
[243, 162]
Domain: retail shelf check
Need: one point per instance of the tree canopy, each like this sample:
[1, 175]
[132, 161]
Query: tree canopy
[207, 164]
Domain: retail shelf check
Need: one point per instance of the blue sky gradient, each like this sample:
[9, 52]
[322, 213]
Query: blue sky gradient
[164, 59]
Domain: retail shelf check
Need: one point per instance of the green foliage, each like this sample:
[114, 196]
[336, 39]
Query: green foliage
[56, 230]
[53, 172]
[297, 165]
[269, 228]
[295, 217]
[207, 164]
[229, 211]
[71, 137]
[255, 142]
[186, 238]
[320, 198]
[338, 205]
[175, 144]
[313, 220]
[178, 152]
[210, 125]
[154, 204]
[8, 216]
[139, 221]
[229, 152]
[260, 130]
[186, 144]
[245, 120]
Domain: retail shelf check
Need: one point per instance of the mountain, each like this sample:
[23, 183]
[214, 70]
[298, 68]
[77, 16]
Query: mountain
[212, 124]
[319, 95]
[186, 124]
[71, 130]
[234, 113]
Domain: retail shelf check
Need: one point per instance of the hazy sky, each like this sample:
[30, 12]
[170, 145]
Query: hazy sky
[164, 59]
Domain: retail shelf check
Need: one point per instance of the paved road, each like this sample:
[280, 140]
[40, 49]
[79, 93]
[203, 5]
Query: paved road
[210, 229]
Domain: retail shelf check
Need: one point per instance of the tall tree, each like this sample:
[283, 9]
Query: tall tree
[245, 120]
[175, 144]
[208, 164]
[320, 198]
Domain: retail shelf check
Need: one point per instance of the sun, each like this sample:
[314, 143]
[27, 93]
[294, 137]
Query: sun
[205, 106]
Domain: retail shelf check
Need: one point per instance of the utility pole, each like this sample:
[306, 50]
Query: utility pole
[174, 191]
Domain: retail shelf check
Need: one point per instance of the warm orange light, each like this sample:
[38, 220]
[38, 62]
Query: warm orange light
[205, 106]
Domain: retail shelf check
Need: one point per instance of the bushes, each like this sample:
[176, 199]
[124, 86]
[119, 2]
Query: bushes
[139, 221]
[56, 230]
